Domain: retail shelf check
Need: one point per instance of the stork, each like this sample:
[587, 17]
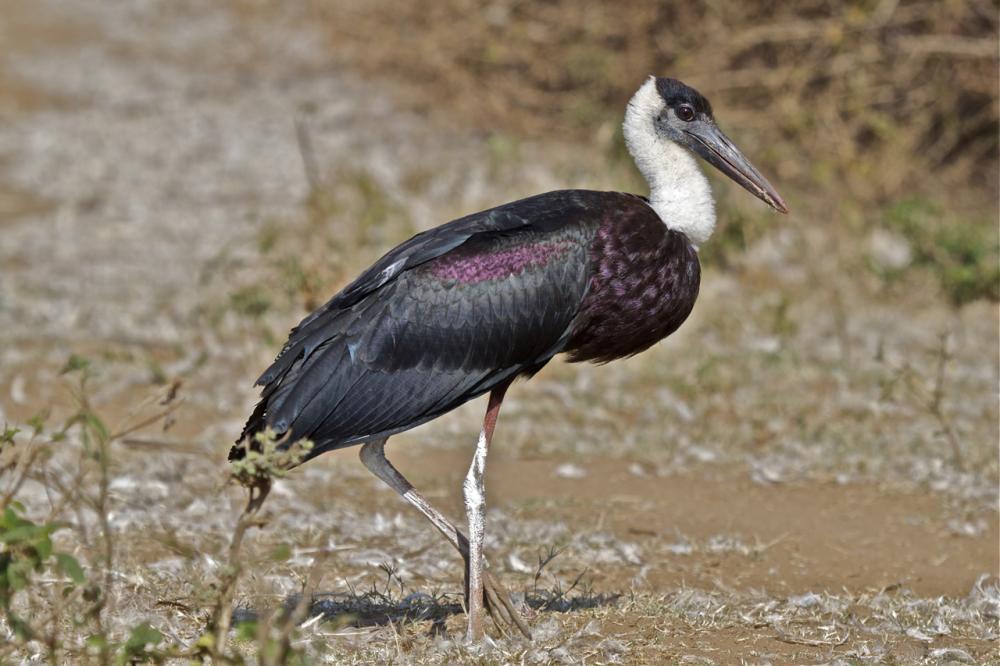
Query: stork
[466, 308]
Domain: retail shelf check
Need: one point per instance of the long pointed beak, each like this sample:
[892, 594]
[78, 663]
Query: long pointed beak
[709, 142]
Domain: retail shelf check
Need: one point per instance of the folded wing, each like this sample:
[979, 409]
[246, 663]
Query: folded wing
[439, 320]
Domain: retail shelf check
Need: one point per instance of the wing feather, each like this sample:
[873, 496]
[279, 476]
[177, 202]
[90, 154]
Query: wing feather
[438, 320]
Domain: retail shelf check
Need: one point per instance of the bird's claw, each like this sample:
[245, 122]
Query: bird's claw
[497, 601]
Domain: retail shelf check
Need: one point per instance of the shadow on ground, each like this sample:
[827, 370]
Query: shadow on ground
[374, 608]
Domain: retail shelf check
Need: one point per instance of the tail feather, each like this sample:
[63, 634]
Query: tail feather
[253, 425]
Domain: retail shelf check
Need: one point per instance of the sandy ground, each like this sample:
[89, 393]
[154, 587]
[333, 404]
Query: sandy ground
[145, 151]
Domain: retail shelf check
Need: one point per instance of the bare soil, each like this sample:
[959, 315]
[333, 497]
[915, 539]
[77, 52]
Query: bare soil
[817, 537]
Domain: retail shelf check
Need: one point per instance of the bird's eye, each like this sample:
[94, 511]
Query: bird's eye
[685, 113]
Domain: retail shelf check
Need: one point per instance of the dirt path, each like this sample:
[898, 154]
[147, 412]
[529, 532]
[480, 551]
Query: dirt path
[802, 538]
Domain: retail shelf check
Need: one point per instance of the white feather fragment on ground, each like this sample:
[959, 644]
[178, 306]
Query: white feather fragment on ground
[951, 654]
[966, 528]
[570, 471]
[918, 634]
[807, 600]
[701, 454]
[680, 548]
[765, 475]
[17, 393]
[519, 565]
[635, 469]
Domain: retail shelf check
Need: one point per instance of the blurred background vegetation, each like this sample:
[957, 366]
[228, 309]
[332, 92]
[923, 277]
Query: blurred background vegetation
[884, 96]
[880, 112]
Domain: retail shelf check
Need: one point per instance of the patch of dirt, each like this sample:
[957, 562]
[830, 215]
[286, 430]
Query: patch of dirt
[16, 204]
[26, 29]
[786, 539]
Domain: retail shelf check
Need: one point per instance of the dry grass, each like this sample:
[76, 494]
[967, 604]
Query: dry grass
[870, 100]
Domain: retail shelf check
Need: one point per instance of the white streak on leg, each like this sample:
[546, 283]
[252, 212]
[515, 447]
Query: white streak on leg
[475, 508]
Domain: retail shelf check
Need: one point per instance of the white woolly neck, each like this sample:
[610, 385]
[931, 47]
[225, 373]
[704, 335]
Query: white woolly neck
[678, 191]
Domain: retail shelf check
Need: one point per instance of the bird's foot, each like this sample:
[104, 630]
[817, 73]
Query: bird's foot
[498, 604]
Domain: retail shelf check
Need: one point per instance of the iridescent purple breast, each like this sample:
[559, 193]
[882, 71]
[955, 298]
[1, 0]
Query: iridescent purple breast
[644, 283]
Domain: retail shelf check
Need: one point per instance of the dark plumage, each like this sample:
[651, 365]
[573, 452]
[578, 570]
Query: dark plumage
[674, 93]
[644, 280]
[455, 311]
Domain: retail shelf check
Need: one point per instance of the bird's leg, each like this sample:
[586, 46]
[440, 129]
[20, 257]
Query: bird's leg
[474, 490]
[498, 601]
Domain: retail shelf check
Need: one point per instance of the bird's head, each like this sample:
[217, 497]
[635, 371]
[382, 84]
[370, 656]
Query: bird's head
[667, 110]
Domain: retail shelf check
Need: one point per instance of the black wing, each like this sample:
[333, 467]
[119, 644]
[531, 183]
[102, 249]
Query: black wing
[440, 319]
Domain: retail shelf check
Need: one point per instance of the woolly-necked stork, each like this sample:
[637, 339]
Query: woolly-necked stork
[466, 308]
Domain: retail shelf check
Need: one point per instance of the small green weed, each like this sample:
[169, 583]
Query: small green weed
[250, 301]
[964, 255]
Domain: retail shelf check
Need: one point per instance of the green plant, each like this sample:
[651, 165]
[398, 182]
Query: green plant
[141, 646]
[26, 552]
[36, 611]
[268, 457]
[963, 254]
